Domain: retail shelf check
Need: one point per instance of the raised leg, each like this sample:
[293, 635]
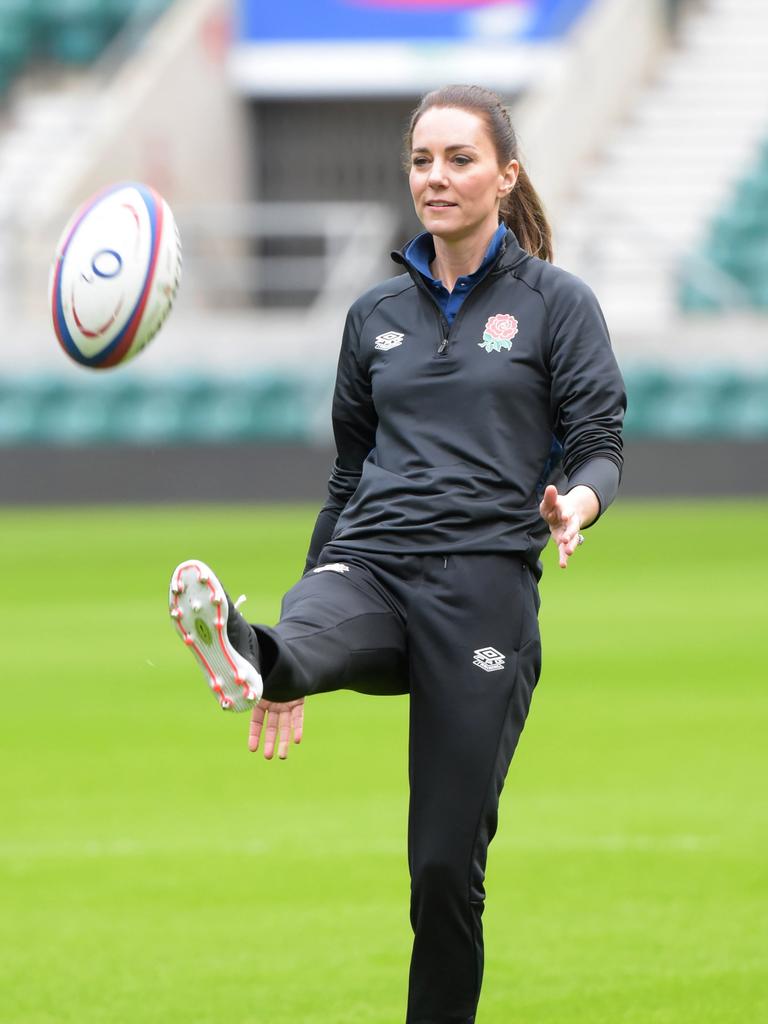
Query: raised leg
[336, 631]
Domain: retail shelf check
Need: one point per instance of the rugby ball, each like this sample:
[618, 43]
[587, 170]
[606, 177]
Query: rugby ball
[115, 275]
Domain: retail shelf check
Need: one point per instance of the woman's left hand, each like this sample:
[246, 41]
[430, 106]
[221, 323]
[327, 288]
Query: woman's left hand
[566, 514]
[283, 718]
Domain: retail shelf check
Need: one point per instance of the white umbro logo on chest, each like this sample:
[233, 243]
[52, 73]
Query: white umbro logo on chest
[384, 342]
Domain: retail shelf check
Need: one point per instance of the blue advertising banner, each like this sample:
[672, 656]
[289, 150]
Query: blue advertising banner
[405, 19]
[396, 47]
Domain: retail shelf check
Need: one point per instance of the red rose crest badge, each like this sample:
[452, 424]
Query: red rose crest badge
[499, 332]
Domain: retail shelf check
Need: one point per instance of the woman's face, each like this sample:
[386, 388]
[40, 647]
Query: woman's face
[455, 178]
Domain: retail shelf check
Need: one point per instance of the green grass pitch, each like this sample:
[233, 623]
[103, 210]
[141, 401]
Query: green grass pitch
[152, 871]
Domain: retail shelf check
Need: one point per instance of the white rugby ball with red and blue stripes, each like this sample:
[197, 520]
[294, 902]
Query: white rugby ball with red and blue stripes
[115, 276]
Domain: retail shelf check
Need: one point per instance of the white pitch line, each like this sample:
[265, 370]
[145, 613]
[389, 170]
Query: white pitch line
[115, 848]
[97, 848]
[619, 843]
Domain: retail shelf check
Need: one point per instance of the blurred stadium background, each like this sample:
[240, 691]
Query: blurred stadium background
[274, 131]
[150, 871]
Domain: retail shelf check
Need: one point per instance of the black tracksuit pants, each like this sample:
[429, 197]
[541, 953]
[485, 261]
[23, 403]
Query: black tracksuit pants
[460, 635]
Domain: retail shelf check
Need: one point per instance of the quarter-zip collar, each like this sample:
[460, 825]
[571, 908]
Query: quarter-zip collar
[509, 255]
[503, 253]
[421, 251]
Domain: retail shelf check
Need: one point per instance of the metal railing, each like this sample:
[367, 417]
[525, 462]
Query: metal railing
[311, 255]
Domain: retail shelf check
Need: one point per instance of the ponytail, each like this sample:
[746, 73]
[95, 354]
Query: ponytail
[523, 212]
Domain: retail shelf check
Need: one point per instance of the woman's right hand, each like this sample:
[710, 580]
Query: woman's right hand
[282, 720]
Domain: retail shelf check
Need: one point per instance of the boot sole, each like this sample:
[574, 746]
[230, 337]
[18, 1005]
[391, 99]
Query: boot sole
[199, 610]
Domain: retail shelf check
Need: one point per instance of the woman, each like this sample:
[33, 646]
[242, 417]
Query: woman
[422, 571]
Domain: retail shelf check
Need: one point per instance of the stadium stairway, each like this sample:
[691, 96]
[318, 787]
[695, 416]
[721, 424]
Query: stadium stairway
[646, 202]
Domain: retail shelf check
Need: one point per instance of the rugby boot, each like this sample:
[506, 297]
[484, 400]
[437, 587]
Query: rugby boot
[225, 645]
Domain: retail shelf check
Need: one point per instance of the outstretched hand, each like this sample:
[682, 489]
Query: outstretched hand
[566, 515]
[563, 521]
[282, 720]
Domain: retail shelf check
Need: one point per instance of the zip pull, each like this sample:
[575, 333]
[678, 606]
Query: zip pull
[443, 346]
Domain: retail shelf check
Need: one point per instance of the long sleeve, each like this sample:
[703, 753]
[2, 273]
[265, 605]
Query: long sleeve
[354, 430]
[587, 394]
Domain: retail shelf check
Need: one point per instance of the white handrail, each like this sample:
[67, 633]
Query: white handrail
[350, 243]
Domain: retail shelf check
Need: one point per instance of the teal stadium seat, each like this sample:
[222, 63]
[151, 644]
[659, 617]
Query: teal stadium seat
[79, 414]
[737, 243]
[120, 10]
[16, 35]
[749, 416]
[757, 274]
[752, 193]
[76, 30]
[695, 297]
[17, 416]
[648, 390]
[279, 408]
[73, 32]
[232, 414]
[162, 411]
[23, 406]
[698, 404]
[128, 410]
[119, 409]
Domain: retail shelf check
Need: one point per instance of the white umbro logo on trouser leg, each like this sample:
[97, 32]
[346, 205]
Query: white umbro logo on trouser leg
[489, 659]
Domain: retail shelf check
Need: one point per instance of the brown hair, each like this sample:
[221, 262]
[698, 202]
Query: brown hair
[522, 209]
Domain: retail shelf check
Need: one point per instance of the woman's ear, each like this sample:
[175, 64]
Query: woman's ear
[509, 177]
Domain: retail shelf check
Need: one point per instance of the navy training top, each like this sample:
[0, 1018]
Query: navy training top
[442, 429]
[419, 253]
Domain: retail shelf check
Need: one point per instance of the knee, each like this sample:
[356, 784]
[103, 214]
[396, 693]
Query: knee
[438, 878]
